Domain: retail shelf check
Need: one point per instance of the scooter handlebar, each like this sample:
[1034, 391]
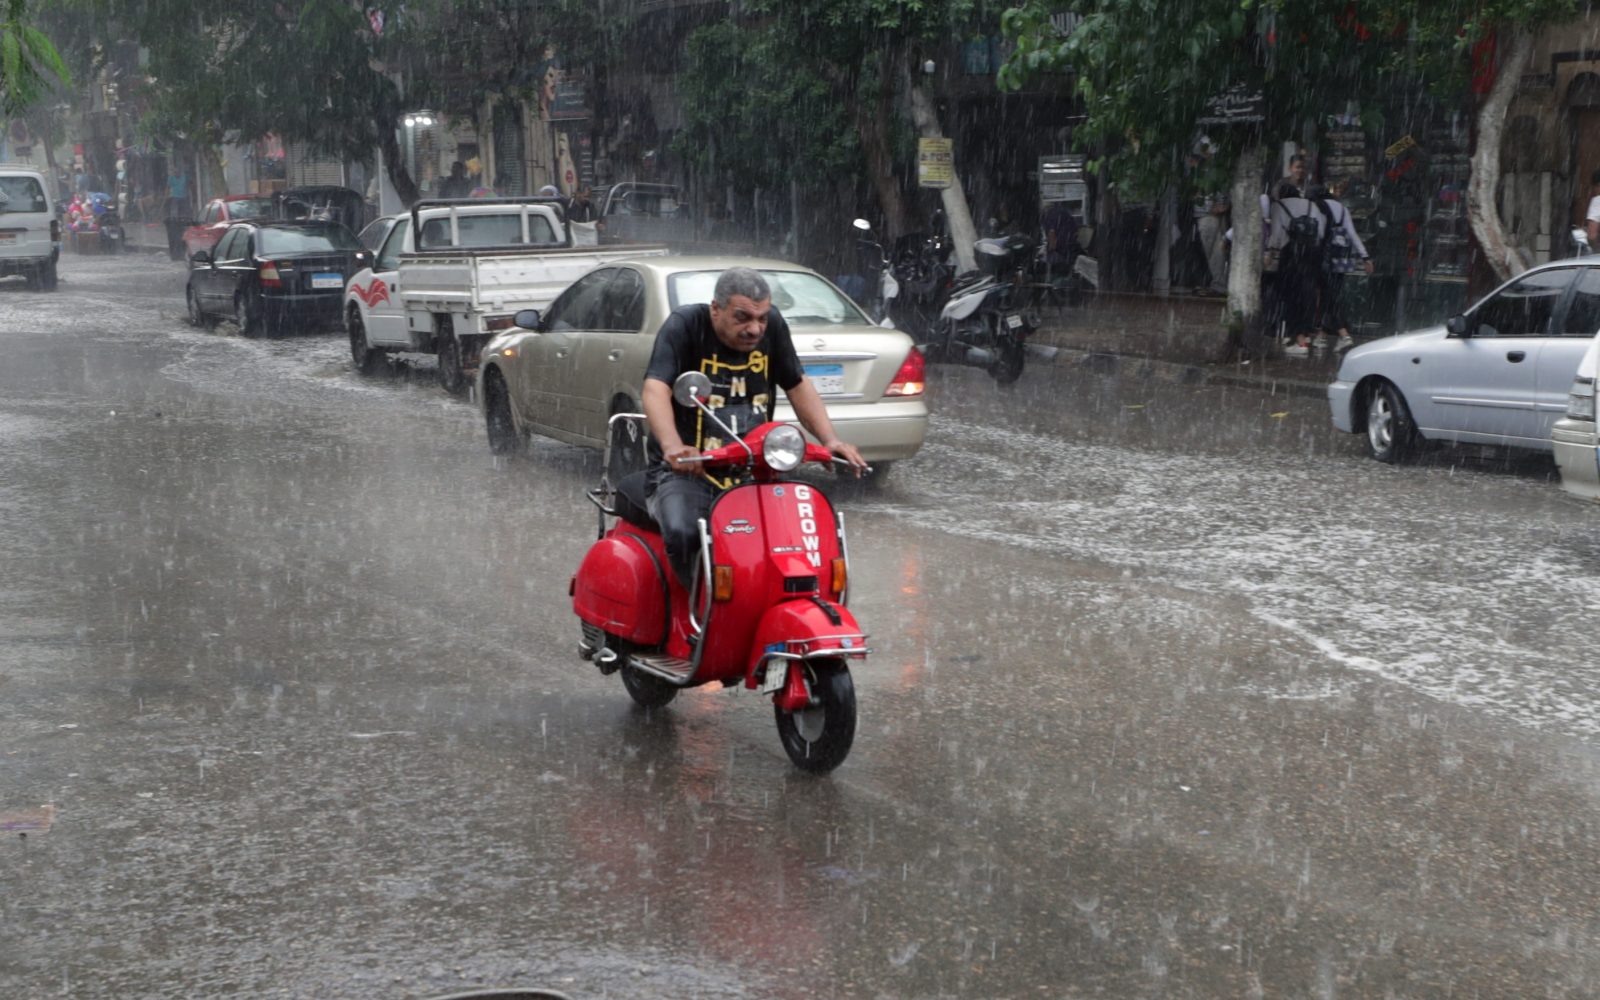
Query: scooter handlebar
[741, 453]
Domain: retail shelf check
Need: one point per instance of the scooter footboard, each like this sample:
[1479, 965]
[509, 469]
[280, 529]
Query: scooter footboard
[805, 628]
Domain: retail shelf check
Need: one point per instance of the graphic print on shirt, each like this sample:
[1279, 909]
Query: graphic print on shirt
[740, 396]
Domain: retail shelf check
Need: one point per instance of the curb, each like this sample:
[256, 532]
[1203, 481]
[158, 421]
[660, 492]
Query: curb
[1108, 363]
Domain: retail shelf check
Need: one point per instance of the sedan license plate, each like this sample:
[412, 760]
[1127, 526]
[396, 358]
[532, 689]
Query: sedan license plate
[1014, 321]
[327, 281]
[826, 378]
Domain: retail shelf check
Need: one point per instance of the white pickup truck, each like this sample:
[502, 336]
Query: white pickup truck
[451, 274]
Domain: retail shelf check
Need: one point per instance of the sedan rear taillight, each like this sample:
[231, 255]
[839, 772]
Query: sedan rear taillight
[1580, 402]
[269, 274]
[911, 379]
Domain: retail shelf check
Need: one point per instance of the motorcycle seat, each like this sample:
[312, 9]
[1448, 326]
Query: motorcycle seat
[967, 279]
[629, 500]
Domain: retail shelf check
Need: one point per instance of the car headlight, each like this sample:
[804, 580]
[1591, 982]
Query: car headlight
[784, 448]
[1580, 402]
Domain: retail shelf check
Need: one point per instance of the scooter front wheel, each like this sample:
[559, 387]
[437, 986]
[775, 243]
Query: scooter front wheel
[817, 739]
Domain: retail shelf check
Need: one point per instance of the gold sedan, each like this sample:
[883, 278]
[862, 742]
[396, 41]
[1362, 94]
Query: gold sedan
[585, 359]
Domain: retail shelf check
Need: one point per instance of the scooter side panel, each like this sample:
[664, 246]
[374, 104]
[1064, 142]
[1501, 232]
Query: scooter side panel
[621, 587]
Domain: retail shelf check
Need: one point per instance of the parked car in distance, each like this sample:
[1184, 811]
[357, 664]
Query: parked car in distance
[271, 276]
[642, 212]
[322, 203]
[30, 232]
[1574, 436]
[585, 359]
[1498, 374]
[221, 213]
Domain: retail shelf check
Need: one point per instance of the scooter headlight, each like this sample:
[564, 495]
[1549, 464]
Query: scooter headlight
[784, 448]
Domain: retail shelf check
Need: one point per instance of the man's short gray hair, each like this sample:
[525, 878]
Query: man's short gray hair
[746, 281]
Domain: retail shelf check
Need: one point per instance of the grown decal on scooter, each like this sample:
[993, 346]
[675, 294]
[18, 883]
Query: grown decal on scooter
[808, 525]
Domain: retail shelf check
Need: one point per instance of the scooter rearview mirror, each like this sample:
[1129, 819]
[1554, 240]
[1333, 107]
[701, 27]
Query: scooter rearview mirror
[863, 225]
[690, 388]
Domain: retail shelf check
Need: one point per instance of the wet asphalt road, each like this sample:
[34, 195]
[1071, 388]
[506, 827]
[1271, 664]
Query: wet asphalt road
[1175, 695]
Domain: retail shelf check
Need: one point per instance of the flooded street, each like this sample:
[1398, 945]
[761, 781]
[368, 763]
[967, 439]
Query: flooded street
[1174, 694]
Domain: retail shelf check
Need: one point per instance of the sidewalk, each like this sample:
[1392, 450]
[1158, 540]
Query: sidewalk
[146, 235]
[1176, 338]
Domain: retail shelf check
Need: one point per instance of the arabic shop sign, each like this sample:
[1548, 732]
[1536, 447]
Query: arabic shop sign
[1235, 106]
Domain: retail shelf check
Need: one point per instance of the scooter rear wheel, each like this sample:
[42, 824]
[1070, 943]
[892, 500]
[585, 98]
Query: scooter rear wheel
[817, 739]
[645, 690]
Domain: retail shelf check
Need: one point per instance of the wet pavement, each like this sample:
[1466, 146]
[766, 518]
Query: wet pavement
[1175, 694]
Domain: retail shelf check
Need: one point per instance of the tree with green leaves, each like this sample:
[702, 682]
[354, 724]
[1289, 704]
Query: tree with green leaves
[1146, 72]
[30, 67]
[807, 90]
[326, 73]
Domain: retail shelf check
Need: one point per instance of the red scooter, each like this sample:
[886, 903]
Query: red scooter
[767, 608]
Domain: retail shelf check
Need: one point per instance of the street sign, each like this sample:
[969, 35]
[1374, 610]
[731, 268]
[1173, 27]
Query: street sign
[936, 163]
[1062, 178]
[1235, 106]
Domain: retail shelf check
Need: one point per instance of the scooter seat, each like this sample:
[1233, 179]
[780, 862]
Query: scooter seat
[630, 503]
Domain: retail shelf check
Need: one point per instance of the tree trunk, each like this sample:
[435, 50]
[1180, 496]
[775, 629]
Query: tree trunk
[394, 164]
[872, 124]
[210, 166]
[963, 234]
[1483, 209]
[1244, 261]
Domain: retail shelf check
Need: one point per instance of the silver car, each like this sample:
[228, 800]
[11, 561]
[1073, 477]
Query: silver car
[586, 359]
[1575, 437]
[1497, 374]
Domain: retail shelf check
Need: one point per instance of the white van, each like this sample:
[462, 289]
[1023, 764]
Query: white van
[30, 233]
[1573, 437]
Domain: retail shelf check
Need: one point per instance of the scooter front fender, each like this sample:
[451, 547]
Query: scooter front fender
[808, 628]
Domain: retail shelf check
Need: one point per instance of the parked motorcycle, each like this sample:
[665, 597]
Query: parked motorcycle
[878, 285]
[922, 266]
[984, 322]
[768, 605]
[112, 237]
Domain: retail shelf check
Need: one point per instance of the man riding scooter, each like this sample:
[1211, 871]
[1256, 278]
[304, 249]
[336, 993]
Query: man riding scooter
[743, 345]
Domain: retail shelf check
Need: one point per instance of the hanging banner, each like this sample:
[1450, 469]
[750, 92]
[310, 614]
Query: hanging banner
[936, 163]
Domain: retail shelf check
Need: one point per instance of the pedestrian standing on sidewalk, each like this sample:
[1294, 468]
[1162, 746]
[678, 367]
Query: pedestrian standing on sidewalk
[1296, 239]
[178, 216]
[1591, 222]
[1343, 253]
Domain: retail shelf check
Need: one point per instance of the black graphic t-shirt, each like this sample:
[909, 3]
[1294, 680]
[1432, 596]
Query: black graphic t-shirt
[742, 385]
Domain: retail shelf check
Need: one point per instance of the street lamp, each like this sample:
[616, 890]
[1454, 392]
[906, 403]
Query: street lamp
[414, 120]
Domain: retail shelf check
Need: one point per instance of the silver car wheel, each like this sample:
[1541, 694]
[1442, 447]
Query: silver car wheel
[1380, 423]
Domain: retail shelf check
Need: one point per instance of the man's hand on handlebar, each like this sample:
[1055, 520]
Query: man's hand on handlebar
[847, 451]
[684, 459]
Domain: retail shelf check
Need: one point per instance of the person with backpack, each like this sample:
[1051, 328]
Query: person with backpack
[1296, 242]
[1343, 253]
